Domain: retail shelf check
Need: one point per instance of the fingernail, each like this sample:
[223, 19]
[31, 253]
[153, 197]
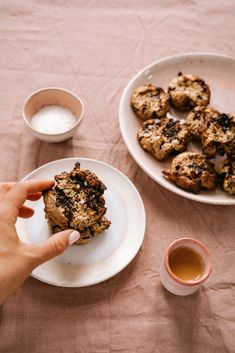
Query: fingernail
[74, 236]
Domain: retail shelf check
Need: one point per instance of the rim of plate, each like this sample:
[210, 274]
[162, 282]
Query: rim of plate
[167, 186]
[136, 250]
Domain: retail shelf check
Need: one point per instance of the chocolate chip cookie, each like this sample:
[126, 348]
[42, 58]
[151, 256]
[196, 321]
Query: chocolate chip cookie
[192, 172]
[76, 202]
[86, 233]
[149, 102]
[188, 91]
[198, 118]
[226, 172]
[218, 136]
[163, 137]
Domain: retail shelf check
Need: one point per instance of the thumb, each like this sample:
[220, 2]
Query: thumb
[56, 245]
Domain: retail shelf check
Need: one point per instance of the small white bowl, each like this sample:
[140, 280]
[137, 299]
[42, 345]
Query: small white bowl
[53, 96]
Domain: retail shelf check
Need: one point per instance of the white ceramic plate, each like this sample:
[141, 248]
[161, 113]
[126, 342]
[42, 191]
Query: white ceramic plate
[218, 71]
[107, 253]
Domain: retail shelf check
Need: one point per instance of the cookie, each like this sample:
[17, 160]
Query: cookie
[150, 102]
[161, 138]
[192, 172]
[226, 172]
[218, 136]
[198, 118]
[188, 91]
[76, 202]
[86, 234]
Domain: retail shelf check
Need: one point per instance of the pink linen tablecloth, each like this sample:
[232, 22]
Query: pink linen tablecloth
[93, 48]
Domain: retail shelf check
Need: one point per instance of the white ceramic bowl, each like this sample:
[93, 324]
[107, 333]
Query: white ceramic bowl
[53, 96]
[218, 71]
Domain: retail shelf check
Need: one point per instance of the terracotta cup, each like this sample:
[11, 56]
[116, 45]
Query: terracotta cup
[175, 284]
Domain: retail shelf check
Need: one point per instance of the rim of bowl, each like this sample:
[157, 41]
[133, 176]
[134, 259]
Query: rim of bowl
[179, 280]
[79, 120]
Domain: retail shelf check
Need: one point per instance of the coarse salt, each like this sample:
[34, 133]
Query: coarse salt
[53, 119]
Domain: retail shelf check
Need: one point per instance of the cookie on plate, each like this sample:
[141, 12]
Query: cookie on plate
[188, 91]
[218, 136]
[86, 233]
[192, 172]
[149, 102]
[226, 172]
[198, 118]
[163, 137]
[76, 202]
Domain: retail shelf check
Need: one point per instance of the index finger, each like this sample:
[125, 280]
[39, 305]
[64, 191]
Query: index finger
[6, 186]
[19, 192]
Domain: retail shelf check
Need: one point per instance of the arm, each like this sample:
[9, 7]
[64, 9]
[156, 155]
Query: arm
[17, 260]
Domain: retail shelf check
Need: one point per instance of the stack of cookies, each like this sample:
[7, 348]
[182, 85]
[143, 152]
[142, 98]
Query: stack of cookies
[163, 137]
[76, 202]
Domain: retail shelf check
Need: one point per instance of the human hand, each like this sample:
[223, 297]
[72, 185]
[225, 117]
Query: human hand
[17, 259]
